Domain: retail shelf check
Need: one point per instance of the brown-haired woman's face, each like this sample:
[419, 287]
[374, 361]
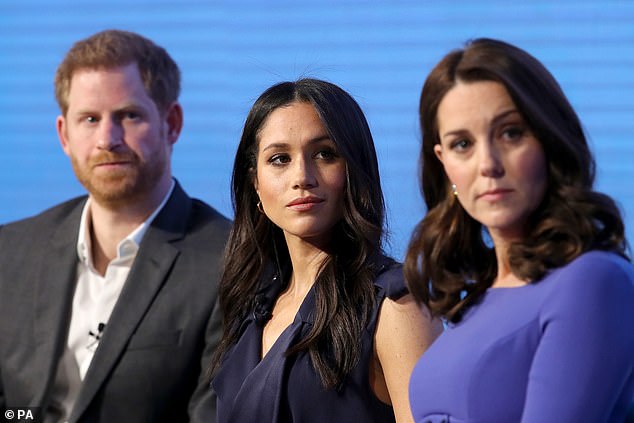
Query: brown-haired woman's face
[490, 154]
[300, 175]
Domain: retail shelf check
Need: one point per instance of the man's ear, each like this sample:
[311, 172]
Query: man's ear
[174, 121]
[62, 133]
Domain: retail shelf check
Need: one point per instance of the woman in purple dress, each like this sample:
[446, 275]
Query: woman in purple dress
[319, 326]
[525, 262]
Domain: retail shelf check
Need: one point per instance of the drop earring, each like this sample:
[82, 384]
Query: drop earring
[454, 190]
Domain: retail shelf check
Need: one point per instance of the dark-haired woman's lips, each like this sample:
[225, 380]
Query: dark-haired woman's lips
[495, 194]
[305, 203]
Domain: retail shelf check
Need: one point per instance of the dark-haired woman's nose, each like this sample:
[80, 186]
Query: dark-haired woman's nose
[304, 174]
[490, 160]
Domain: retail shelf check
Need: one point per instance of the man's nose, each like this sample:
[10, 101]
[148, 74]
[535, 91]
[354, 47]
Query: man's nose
[110, 135]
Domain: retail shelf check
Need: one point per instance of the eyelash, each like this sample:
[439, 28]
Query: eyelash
[123, 116]
[513, 132]
[460, 144]
[274, 160]
[509, 132]
[131, 115]
[327, 154]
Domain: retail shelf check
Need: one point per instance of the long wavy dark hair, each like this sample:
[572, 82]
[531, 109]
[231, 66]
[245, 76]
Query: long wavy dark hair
[449, 263]
[344, 286]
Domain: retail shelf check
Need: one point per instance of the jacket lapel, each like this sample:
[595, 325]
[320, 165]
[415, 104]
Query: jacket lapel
[154, 259]
[54, 298]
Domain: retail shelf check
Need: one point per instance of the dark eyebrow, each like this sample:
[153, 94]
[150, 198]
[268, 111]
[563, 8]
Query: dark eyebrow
[275, 145]
[494, 121]
[504, 115]
[315, 140]
[320, 138]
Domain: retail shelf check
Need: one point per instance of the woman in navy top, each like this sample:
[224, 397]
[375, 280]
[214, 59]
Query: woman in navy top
[517, 253]
[319, 326]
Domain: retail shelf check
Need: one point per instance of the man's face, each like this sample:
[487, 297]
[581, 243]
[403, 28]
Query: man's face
[118, 142]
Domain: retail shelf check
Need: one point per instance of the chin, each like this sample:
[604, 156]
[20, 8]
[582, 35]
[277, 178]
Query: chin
[509, 228]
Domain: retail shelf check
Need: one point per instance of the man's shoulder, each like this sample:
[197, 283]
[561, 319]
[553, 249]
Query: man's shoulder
[207, 224]
[191, 215]
[204, 212]
[50, 217]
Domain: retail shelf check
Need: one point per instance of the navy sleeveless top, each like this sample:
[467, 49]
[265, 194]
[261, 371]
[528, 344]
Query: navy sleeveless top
[281, 389]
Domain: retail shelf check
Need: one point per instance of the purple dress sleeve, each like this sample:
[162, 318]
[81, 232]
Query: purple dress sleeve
[583, 365]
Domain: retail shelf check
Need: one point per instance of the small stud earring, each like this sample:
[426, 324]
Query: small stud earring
[454, 190]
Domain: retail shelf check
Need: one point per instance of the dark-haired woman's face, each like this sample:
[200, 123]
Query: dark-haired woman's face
[491, 155]
[300, 175]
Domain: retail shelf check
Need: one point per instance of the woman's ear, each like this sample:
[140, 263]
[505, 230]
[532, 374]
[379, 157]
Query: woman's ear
[438, 151]
[254, 180]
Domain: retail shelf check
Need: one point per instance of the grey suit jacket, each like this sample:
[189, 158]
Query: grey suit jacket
[151, 360]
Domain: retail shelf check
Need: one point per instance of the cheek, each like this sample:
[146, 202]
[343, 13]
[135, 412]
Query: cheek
[458, 173]
[539, 181]
[533, 171]
[78, 148]
[336, 180]
[269, 187]
[149, 141]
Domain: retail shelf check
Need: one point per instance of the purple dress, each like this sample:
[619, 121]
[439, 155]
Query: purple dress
[280, 389]
[560, 350]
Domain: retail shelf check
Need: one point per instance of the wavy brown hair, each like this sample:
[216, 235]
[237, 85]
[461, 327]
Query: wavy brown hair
[449, 262]
[344, 286]
[112, 48]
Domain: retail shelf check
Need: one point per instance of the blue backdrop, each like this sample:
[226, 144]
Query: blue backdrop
[380, 51]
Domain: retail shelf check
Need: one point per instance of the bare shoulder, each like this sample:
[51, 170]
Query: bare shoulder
[404, 331]
[408, 322]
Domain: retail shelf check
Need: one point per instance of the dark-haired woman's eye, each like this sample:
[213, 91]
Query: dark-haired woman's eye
[513, 133]
[326, 154]
[460, 144]
[279, 159]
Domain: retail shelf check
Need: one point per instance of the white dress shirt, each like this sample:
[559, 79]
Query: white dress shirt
[94, 299]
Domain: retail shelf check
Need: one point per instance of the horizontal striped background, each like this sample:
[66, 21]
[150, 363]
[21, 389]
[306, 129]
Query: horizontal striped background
[380, 51]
